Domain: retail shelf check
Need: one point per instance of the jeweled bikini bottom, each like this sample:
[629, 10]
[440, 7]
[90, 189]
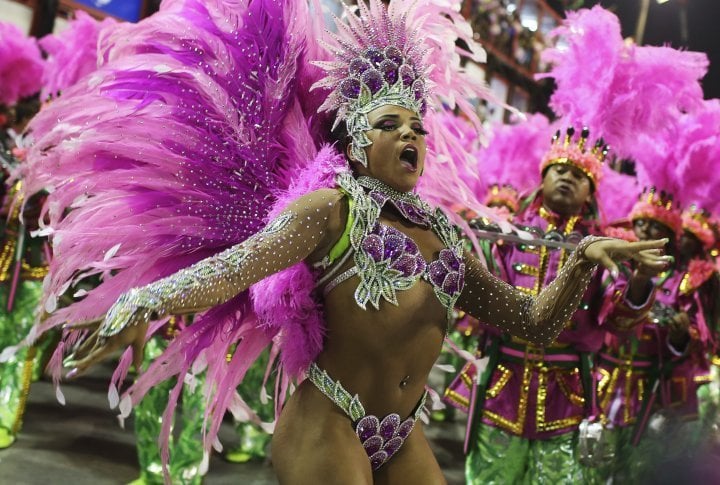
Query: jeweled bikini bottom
[381, 439]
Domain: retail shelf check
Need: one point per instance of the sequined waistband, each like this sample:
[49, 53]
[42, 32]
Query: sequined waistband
[553, 356]
[633, 361]
[343, 399]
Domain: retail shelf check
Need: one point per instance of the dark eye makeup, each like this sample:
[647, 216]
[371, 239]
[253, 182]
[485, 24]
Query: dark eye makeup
[389, 125]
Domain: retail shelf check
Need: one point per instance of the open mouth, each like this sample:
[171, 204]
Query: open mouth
[565, 189]
[409, 158]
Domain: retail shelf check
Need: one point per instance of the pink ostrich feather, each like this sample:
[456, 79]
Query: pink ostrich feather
[172, 151]
[285, 302]
[584, 63]
[616, 195]
[464, 132]
[697, 151]
[71, 54]
[21, 65]
[513, 153]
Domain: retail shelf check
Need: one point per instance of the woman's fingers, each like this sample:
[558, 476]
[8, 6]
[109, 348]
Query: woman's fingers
[652, 259]
[606, 261]
[87, 345]
[98, 354]
[644, 245]
[622, 250]
[96, 348]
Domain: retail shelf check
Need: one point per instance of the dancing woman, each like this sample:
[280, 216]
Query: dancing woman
[385, 268]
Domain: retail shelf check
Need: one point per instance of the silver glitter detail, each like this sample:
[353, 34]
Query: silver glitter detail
[286, 240]
[536, 319]
[377, 280]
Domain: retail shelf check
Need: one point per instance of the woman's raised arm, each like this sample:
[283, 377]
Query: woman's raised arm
[540, 319]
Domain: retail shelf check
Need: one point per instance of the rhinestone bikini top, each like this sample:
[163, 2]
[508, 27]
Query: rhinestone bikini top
[388, 261]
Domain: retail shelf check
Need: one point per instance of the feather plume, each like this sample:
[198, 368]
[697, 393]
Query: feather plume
[617, 89]
[175, 146]
[72, 54]
[616, 195]
[697, 151]
[285, 302]
[21, 65]
[513, 153]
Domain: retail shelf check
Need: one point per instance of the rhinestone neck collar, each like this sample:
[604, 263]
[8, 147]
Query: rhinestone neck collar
[409, 204]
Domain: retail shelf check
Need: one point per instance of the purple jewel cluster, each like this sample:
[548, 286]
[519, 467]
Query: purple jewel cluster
[386, 243]
[377, 68]
[382, 439]
[447, 273]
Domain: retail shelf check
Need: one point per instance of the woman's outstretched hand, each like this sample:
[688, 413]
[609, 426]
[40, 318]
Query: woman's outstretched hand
[98, 346]
[609, 252]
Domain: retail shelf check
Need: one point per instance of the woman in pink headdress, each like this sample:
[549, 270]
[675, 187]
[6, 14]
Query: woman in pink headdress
[354, 277]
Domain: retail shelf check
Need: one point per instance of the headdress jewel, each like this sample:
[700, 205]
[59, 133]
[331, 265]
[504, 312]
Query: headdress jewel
[697, 221]
[379, 61]
[658, 206]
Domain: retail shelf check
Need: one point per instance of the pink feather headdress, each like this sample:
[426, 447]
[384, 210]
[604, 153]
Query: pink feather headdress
[697, 153]
[566, 150]
[680, 162]
[658, 206]
[21, 65]
[697, 222]
[71, 54]
[619, 91]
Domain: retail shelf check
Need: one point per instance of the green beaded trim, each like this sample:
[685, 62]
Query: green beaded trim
[336, 392]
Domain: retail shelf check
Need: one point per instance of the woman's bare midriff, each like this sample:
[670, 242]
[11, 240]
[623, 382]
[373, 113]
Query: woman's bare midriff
[385, 357]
